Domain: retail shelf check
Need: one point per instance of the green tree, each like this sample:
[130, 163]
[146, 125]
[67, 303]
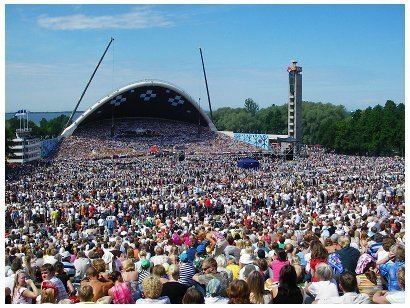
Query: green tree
[251, 106]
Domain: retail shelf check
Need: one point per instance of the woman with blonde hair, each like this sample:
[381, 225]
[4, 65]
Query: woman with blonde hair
[152, 288]
[240, 244]
[86, 295]
[21, 293]
[130, 275]
[160, 272]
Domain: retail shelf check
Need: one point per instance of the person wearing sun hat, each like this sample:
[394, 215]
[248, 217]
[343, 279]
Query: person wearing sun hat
[246, 264]
[245, 259]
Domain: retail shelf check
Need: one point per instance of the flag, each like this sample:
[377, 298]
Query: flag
[21, 113]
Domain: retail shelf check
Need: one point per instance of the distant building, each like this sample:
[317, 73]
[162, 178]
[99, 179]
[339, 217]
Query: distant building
[25, 148]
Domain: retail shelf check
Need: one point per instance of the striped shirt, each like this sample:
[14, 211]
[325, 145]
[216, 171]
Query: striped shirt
[186, 272]
[142, 275]
[69, 268]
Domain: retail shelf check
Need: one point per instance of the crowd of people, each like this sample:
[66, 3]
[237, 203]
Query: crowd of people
[327, 228]
[107, 139]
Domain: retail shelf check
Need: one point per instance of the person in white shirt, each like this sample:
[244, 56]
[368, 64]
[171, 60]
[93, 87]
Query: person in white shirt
[325, 286]
[81, 264]
[101, 225]
[383, 251]
[307, 258]
[159, 257]
[348, 284]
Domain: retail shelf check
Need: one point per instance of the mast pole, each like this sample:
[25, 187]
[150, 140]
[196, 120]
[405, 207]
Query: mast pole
[89, 81]
[206, 83]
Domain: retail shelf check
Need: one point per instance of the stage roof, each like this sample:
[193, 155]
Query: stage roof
[145, 99]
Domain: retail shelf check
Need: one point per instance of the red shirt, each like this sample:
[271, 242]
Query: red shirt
[314, 263]
[91, 211]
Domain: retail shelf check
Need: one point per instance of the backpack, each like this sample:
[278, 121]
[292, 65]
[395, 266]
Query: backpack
[336, 264]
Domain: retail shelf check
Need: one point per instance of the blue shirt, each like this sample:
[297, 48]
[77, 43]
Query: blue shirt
[389, 271]
[301, 256]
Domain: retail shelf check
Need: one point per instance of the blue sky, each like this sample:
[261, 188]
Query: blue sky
[351, 54]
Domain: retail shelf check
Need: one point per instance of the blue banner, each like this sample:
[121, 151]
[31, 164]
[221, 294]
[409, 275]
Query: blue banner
[258, 140]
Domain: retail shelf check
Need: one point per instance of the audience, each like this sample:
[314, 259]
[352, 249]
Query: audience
[105, 221]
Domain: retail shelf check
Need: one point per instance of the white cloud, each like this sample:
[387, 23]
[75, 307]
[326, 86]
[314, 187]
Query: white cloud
[137, 18]
[30, 69]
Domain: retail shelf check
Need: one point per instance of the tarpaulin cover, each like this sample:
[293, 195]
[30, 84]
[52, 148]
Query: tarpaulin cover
[248, 163]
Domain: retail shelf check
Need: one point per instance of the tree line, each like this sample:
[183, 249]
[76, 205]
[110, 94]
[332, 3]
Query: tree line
[375, 130]
[45, 130]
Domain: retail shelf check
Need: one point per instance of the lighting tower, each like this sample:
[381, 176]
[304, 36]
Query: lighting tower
[295, 105]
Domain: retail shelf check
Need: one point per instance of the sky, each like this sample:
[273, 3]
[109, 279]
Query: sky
[352, 55]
